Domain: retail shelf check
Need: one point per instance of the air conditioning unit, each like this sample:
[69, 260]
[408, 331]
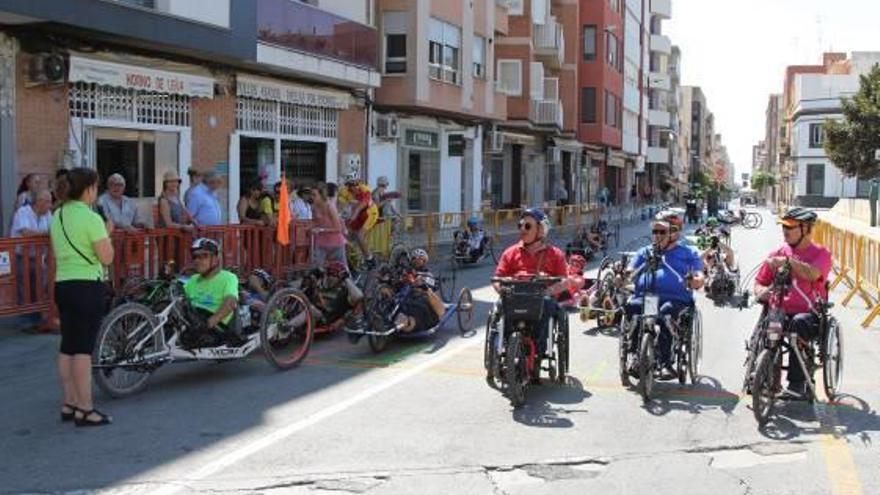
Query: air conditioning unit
[554, 155]
[387, 127]
[496, 141]
[46, 68]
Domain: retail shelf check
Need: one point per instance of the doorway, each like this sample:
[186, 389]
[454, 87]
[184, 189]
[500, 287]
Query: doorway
[304, 162]
[516, 176]
[256, 161]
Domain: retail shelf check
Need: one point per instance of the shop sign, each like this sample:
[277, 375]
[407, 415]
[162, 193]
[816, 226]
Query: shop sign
[139, 78]
[421, 139]
[262, 89]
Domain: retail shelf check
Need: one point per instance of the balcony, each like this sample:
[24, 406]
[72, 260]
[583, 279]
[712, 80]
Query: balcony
[546, 112]
[658, 80]
[300, 27]
[659, 118]
[502, 22]
[657, 154]
[662, 8]
[661, 43]
[549, 43]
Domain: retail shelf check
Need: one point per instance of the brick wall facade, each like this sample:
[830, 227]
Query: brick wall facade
[210, 145]
[351, 133]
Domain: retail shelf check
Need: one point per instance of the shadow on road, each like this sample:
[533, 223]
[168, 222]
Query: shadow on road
[846, 415]
[545, 404]
[706, 394]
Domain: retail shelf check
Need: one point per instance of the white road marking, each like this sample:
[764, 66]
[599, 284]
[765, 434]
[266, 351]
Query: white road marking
[736, 459]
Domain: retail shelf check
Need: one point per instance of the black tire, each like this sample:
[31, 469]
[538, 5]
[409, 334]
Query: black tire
[763, 386]
[378, 310]
[115, 342]
[490, 245]
[646, 366]
[464, 310]
[623, 352]
[832, 369]
[695, 347]
[490, 356]
[284, 345]
[446, 283]
[515, 376]
[562, 352]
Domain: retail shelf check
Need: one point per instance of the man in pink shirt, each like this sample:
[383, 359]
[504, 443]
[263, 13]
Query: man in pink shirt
[810, 266]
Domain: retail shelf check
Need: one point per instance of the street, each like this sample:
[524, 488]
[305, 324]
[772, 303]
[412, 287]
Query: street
[419, 418]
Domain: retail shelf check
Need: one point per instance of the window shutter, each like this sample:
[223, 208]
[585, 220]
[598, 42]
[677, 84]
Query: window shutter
[510, 77]
[551, 88]
[536, 80]
[395, 22]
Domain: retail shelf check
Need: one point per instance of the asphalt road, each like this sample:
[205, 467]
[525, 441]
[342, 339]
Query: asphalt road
[420, 418]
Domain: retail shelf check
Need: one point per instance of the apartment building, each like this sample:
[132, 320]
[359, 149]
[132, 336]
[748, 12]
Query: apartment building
[600, 74]
[774, 132]
[137, 87]
[677, 151]
[536, 149]
[661, 100]
[695, 116]
[636, 44]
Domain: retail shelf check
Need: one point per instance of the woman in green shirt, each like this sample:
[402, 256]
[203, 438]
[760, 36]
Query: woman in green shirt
[82, 248]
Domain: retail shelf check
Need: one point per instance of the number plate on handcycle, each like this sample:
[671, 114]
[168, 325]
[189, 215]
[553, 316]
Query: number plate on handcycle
[652, 305]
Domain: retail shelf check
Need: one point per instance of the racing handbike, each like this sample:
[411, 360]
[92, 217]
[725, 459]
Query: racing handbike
[608, 299]
[463, 253]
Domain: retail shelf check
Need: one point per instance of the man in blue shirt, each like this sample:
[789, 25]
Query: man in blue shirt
[678, 274]
[202, 203]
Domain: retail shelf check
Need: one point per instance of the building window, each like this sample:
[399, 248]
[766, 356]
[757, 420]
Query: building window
[612, 55]
[394, 24]
[515, 7]
[614, 5]
[510, 76]
[479, 57]
[816, 179]
[444, 44]
[612, 117]
[817, 135]
[589, 43]
[588, 105]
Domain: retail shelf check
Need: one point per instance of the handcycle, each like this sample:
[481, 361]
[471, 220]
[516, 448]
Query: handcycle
[462, 251]
[581, 244]
[135, 340]
[644, 329]
[749, 220]
[510, 353]
[772, 339]
[382, 306]
[608, 297]
[721, 281]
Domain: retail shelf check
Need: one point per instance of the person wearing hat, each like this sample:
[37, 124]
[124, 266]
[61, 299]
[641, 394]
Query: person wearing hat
[172, 213]
[810, 265]
[117, 207]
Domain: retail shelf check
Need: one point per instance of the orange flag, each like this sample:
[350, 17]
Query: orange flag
[283, 232]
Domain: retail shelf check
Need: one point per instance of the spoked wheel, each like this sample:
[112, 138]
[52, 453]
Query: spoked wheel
[125, 338]
[764, 387]
[695, 347]
[646, 366]
[446, 281]
[515, 374]
[832, 371]
[378, 313]
[465, 310]
[490, 354]
[752, 221]
[561, 352]
[623, 352]
[286, 329]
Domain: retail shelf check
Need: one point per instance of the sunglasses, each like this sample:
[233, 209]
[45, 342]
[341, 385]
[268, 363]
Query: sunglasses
[202, 256]
[659, 232]
[524, 226]
[789, 227]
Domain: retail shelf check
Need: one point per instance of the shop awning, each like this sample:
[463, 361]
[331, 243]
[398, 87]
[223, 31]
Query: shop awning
[516, 138]
[616, 160]
[263, 88]
[141, 73]
[568, 144]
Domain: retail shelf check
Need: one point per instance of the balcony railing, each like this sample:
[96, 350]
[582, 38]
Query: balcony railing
[546, 112]
[301, 27]
[550, 42]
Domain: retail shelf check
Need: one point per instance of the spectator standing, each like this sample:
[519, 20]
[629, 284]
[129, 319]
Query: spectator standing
[31, 220]
[27, 190]
[269, 204]
[82, 248]
[329, 230]
[249, 212]
[195, 178]
[202, 203]
[301, 207]
[60, 192]
[118, 207]
[172, 212]
[561, 193]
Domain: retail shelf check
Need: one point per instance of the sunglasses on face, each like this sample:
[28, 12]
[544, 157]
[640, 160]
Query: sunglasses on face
[659, 232]
[789, 227]
[202, 256]
[525, 226]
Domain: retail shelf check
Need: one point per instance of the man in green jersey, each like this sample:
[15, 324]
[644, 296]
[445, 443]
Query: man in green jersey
[213, 292]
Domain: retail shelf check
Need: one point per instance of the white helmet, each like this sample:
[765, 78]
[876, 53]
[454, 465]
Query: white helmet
[419, 253]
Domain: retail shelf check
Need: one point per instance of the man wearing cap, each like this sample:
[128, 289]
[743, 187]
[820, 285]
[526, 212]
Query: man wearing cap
[202, 203]
[810, 266]
[117, 207]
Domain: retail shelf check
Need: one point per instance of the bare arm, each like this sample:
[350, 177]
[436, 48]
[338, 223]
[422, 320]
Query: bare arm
[104, 249]
[228, 306]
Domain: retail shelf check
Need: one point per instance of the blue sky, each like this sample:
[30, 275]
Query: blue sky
[737, 51]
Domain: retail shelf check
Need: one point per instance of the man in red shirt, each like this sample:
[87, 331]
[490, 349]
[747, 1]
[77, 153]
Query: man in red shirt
[810, 266]
[531, 256]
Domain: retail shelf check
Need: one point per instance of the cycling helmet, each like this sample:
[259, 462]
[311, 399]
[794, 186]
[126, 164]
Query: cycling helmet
[712, 222]
[539, 217]
[263, 277]
[671, 218]
[205, 244]
[336, 269]
[419, 253]
[473, 221]
[797, 215]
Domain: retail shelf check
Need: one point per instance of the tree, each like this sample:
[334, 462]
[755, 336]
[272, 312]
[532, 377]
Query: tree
[761, 180]
[851, 142]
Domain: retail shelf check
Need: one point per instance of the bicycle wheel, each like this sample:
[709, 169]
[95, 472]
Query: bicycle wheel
[515, 375]
[832, 369]
[286, 329]
[127, 337]
[751, 221]
[379, 309]
[695, 347]
[646, 366]
[764, 386]
[561, 350]
[446, 283]
[623, 342]
[490, 245]
[465, 310]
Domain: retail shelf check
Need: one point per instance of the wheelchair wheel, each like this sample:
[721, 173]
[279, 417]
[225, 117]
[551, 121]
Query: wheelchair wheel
[561, 356]
[286, 329]
[764, 387]
[378, 312]
[120, 331]
[623, 341]
[695, 347]
[465, 310]
[832, 369]
[515, 375]
[490, 354]
[646, 366]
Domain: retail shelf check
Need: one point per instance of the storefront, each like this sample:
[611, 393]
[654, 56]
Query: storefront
[134, 120]
[284, 126]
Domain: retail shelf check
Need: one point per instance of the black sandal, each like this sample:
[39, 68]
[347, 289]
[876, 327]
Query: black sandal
[84, 421]
[65, 416]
